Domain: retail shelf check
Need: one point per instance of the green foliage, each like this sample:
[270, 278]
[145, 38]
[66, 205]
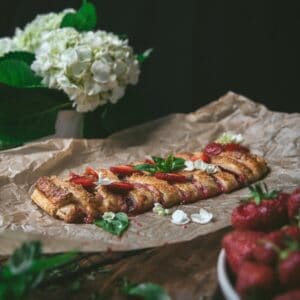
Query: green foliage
[260, 192]
[115, 226]
[84, 19]
[26, 268]
[145, 55]
[171, 164]
[146, 291]
[28, 114]
[24, 56]
[17, 73]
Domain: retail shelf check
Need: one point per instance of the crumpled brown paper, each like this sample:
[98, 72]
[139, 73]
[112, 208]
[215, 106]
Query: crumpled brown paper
[276, 136]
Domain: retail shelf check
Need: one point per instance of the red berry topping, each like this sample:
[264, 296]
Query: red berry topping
[255, 278]
[238, 246]
[201, 156]
[292, 232]
[294, 206]
[268, 214]
[291, 295]
[89, 171]
[171, 177]
[235, 147]
[85, 181]
[267, 249]
[289, 270]
[123, 170]
[213, 149]
[120, 187]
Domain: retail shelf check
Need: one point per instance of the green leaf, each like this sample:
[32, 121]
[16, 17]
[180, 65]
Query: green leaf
[28, 114]
[84, 19]
[17, 73]
[146, 167]
[22, 259]
[115, 226]
[146, 291]
[171, 164]
[145, 55]
[25, 269]
[260, 192]
[24, 56]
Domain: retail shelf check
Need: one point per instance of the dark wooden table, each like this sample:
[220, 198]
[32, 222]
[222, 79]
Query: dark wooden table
[187, 271]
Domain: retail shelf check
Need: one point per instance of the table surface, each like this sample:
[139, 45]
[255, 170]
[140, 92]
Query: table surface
[186, 270]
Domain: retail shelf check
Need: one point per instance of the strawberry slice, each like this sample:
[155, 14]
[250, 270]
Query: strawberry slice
[235, 147]
[149, 161]
[213, 149]
[201, 156]
[171, 177]
[120, 187]
[85, 181]
[123, 170]
[89, 171]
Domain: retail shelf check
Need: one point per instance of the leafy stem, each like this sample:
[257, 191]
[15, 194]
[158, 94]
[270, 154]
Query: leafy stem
[260, 192]
[168, 165]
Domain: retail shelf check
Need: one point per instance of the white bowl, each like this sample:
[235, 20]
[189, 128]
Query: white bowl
[224, 281]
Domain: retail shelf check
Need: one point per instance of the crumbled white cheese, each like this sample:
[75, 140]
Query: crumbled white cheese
[201, 165]
[203, 217]
[160, 210]
[179, 217]
[230, 137]
[189, 165]
[102, 180]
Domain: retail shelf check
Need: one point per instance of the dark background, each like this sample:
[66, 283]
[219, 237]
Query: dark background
[202, 50]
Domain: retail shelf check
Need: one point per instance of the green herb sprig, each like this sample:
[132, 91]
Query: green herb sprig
[146, 291]
[116, 224]
[26, 268]
[260, 192]
[169, 165]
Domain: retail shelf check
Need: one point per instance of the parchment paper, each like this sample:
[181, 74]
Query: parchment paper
[274, 135]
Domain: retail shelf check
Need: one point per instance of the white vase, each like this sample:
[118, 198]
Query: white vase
[69, 124]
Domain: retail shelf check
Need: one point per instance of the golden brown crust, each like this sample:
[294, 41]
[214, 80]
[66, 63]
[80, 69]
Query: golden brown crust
[189, 192]
[55, 193]
[244, 174]
[69, 213]
[139, 200]
[205, 183]
[72, 203]
[84, 200]
[171, 195]
[226, 181]
[254, 162]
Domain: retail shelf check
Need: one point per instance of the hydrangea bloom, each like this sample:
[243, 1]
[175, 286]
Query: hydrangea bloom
[29, 38]
[92, 68]
[6, 45]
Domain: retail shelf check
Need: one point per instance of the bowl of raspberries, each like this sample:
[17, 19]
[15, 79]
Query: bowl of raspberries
[260, 258]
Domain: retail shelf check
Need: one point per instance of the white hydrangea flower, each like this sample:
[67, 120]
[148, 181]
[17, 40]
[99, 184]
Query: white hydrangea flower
[6, 45]
[230, 137]
[29, 38]
[92, 68]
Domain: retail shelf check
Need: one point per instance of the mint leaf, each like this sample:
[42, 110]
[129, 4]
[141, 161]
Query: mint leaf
[26, 268]
[17, 73]
[24, 56]
[168, 165]
[7, 142]
[146, 167]
[115, 226]
[145, 55]
[146, 291]
[84, 19]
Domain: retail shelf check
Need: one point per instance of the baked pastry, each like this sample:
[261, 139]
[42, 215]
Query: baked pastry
[135, 188]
